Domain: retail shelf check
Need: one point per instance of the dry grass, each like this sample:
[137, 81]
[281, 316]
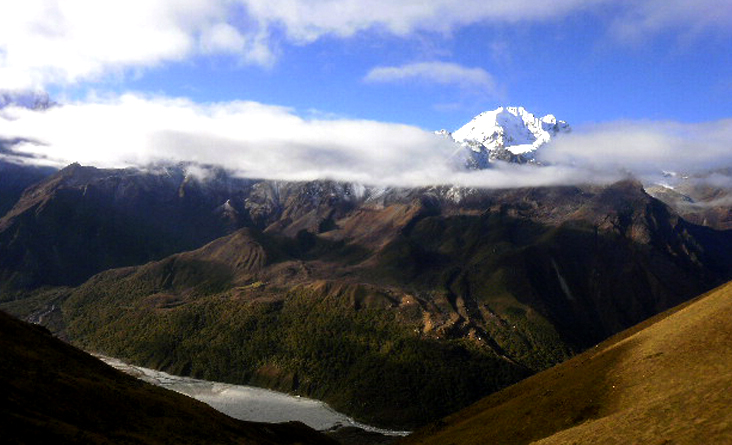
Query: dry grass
[665, 381]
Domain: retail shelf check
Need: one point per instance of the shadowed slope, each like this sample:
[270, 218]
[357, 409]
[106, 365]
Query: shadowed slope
[54, 393]
[15, 178]
[82, 220]
[666, 380]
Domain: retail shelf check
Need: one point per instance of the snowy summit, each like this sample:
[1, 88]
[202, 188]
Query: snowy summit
[507, 133]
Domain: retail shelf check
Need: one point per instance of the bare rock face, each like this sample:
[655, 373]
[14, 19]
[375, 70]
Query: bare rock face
[705, 200]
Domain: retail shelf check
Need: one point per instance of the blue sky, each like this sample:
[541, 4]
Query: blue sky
[426, 64]
[577, 64]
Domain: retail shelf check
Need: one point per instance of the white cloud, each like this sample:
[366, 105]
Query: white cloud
[222, 37]
[67, 41]
[443, 73]
[265, 141]
[645, 148]
[253, 139]
[637, 20]
[307, 20]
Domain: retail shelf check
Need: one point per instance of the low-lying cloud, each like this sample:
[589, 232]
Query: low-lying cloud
[646, 148]
[264, 141]
[250, 138]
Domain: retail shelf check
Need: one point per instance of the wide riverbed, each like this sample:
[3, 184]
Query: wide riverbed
[250, 403]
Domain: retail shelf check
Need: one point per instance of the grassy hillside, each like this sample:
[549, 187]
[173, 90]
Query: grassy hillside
[55, 393]
[666, 380]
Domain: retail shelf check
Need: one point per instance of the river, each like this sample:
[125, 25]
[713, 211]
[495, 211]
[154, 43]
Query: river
[250, 403]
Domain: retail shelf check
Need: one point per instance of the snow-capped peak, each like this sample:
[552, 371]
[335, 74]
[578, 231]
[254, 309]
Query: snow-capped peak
[511, 128]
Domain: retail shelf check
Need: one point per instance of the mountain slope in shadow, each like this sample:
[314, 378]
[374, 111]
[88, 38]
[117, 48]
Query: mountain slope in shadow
[16, 178]
[82, 220]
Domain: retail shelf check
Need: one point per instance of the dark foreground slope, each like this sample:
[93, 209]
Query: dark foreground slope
[666, 380]
[53, 393]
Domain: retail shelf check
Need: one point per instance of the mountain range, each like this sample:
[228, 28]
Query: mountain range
[342, 293]
[398, 306]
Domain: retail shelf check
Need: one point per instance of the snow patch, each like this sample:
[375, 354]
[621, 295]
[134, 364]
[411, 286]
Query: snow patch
[562, 282]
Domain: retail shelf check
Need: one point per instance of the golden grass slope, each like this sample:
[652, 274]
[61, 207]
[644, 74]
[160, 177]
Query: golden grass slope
[665, 381]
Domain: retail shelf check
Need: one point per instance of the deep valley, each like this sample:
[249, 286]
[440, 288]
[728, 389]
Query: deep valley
[396, 306]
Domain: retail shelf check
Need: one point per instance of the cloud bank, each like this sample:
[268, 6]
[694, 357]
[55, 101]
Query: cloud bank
[308, 20]
[44, 42]
[645, 148]
[264, 141]
[252, 139]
